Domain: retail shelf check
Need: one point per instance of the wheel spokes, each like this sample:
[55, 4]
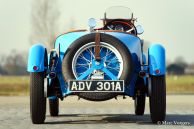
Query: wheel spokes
[84, 58]
[111, 63]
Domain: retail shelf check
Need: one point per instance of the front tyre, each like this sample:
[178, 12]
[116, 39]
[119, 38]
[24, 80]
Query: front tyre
[158, 98]
[37, 98]
[54, 107]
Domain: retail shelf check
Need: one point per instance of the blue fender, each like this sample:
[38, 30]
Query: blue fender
[36, 58]
[156, 60]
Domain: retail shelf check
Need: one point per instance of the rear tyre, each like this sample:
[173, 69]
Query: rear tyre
[140, 97]
[37, 98]
[54, 107]
[158, 98]
[139, 105]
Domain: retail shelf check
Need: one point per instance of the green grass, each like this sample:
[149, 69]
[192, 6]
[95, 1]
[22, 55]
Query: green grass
[180, 84]
[19, 85]
[14, 85]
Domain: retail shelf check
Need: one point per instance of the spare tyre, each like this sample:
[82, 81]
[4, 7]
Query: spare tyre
[116, 57]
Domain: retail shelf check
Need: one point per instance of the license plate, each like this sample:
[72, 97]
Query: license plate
[96, 86]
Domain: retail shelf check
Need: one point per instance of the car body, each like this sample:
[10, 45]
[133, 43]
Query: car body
[141, 74]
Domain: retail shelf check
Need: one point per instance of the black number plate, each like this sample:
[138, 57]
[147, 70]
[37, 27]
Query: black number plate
[96, 86]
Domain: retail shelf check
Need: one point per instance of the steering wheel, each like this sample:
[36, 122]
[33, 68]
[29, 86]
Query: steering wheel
[121, 25]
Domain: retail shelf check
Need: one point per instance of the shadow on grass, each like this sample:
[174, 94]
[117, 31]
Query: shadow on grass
[171, 119]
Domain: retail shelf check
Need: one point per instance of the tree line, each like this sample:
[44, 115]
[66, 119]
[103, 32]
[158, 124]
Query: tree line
[14, 63]
[44, 19]
[44, 22]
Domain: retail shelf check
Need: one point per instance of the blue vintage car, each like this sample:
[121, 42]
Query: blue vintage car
[99, 64]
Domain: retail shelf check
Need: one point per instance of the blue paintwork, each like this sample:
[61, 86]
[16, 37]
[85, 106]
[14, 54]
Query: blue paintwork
[66, 40]
[133, 44]
[131, 91]
[36, 58]
[106, 56]
[156, 59]
[87, 72]
[109, 73]
[63, 84]
[52, 97]
[97, 67]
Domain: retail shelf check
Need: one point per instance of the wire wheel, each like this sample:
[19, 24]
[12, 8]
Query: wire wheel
[110, 56]
[115, 64]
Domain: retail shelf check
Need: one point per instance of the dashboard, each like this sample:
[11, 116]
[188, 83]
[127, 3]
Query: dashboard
[121, 25]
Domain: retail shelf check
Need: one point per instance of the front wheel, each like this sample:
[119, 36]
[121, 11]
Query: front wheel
[54, 107]
[158, 98]
[37, 98]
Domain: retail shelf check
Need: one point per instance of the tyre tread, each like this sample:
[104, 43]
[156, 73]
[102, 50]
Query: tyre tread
[158, 99]
[54, 107]
[37, 99]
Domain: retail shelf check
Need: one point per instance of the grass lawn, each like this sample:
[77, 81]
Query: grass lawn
[180, 84]
[19, 85]
[14, 85]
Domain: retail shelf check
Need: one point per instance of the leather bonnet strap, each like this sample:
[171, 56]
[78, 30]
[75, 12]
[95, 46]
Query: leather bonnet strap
[97, 46]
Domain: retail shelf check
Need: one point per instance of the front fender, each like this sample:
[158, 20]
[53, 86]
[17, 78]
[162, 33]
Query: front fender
[36, 58]
[157, 60]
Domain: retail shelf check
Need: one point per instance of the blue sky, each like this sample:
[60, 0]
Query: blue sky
[170, 22]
